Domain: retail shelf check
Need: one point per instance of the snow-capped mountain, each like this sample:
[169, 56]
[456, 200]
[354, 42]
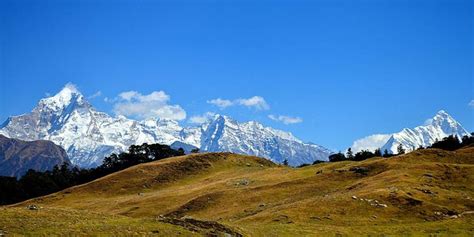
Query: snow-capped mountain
[223, 133]
[68, 120]
[440, 126]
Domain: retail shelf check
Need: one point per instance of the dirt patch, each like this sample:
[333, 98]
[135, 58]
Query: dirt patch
[207, 228]
[196, 204]
[405, 201]
[360, 170]
[283, 219]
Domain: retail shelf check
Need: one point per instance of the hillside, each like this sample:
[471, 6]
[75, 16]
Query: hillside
[17, 156]
[424, 192]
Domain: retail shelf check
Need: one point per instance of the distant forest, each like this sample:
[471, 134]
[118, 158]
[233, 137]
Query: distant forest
[34, 184]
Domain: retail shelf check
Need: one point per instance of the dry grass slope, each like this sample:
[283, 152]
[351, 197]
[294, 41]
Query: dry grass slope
[428, 192]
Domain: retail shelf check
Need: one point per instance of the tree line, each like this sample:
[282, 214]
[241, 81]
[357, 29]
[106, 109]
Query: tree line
[35, 183]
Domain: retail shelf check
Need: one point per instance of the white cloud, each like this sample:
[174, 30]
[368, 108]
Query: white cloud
[95, 95]
[285, 119]
[128, 95]
[155, 104]
[256, 102]
[222, 104]
[200, 119]
[471, 104]
[370, 142]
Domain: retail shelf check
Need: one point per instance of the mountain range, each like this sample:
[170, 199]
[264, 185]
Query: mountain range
[434, 129]
[88, 135]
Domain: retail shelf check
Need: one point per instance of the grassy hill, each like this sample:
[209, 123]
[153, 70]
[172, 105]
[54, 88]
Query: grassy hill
[427, 192]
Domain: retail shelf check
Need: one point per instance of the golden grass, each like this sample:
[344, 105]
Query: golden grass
[57, 221]
[423, 190]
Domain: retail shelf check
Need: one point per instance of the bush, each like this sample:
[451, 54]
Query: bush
[302, 165]
[318, 162]
[363, 155]
[337, 157]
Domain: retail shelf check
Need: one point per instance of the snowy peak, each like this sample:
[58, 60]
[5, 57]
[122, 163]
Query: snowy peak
[441, 118]
[447, 123]
[223, 120]
[225, 134]
[435, 129]
[67, 97]
[443, 113]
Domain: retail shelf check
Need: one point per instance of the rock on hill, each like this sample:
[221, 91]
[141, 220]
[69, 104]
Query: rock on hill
[17, 157]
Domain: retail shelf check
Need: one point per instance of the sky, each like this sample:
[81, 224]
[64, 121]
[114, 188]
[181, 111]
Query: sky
[330, 72]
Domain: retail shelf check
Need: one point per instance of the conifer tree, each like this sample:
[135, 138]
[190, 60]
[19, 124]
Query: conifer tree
[377, 152]
[400, 149]
[349, 154]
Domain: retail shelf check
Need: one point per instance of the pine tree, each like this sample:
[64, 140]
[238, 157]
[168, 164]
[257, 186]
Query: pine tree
[285, 162]
[377, 152]
[385, 153]
[400, 149]
[349, 154]
[337, 157]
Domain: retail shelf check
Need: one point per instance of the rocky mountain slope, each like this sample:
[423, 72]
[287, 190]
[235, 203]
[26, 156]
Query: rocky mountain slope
[252, 138]
[17, 157]
[69, 120]
[426, 192]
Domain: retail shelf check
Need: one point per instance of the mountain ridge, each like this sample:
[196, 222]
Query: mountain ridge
[435, 129]
[88, 135]
[17, 156]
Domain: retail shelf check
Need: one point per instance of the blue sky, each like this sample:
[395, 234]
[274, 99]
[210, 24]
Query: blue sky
[341, 70]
